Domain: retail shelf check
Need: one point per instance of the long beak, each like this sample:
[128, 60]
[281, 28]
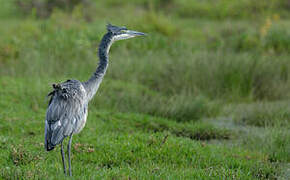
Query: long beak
[135, 33]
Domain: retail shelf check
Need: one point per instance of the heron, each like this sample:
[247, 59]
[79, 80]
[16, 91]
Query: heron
[67, 110]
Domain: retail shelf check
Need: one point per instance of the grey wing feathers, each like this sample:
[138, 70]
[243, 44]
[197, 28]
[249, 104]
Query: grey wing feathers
[63, 117]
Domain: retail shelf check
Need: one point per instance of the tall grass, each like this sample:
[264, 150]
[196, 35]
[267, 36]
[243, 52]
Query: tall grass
[158, 62]
[181, 69]
[263, 114]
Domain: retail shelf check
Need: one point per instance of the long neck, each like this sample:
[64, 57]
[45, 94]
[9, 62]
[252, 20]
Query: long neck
[91, 86]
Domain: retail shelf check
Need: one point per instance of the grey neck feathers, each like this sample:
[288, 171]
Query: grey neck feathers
[91, 86]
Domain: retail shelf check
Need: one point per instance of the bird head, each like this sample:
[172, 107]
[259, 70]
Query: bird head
[120, 33]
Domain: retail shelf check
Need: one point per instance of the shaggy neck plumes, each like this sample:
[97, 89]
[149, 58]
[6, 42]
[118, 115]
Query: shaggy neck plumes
[92, 85]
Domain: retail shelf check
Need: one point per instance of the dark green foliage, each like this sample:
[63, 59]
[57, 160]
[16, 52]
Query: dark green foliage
[198, 131]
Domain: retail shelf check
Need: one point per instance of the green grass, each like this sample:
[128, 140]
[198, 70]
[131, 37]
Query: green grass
[121, 145]
[204, 96]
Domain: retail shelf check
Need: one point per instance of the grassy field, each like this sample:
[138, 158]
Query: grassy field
[206, 95]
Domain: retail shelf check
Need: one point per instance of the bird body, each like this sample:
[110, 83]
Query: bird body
[68, 106]
[67, 112]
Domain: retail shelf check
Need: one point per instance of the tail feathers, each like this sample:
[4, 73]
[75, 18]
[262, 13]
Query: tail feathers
[53, 138]
[47, 138]
[49, 146]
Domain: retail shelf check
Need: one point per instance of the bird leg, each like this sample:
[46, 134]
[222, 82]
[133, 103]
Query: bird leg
[62, 157]
[68, 149]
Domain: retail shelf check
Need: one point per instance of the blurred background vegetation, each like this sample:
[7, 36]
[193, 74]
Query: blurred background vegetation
[209, 60]
[197, 52]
